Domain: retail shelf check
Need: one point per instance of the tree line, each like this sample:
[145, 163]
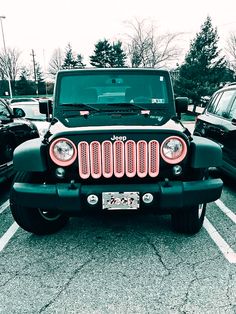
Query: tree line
[204, 69]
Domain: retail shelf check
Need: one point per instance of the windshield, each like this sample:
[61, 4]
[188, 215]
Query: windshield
[113, 88]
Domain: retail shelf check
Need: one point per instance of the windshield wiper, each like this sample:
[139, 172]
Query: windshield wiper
[128, 104]
[78, 106]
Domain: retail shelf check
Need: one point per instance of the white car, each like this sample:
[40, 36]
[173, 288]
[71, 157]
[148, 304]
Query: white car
[23, 100]
[32, 113]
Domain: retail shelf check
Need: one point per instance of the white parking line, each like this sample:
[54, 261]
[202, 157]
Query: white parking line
[223, 246]
[4, 206]
[226, 210]
[8, 235]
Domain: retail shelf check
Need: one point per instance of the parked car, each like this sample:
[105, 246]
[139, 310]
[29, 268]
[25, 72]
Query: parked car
[204, 100]
[33, 114]
[218, 123]
[115, 144]
[28, 100]
[13, 131]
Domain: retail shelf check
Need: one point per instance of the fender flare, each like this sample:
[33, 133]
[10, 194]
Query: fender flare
[204, 153]
[30, 156]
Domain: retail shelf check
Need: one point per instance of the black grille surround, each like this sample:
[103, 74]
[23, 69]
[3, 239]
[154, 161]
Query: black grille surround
[122, 137]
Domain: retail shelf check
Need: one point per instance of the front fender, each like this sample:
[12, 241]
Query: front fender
[204, 153]
[30, 156]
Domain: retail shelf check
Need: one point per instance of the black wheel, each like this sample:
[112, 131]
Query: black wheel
[190, 220]
[35, 220]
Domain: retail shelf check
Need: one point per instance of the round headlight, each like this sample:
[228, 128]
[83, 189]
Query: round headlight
[63, 152]
[173, 149]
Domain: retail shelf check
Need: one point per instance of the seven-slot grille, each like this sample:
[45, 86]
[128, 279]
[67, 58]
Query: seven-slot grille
[118, 159]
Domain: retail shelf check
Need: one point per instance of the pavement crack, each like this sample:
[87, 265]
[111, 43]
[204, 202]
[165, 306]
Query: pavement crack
[186, 297]
[8, 280]
[65, 286]
[152, 245]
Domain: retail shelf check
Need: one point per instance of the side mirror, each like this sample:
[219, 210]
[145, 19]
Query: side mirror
[45, 107]
[18, 113]
[181, 104]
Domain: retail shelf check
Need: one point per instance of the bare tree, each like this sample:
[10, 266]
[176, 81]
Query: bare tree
[147, 48]
[56, 62]
[9, 64]
[231, 49]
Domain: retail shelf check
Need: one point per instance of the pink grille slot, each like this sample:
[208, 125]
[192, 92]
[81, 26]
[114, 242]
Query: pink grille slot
[107, 159]
[142, 159]
[130, 158]
[119, 160]
[95, 160]
[83, 158]
[153, 158]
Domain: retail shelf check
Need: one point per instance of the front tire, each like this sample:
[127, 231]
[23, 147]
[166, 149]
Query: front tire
[190, 220]
[35, 220]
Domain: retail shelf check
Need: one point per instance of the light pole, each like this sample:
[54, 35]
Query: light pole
[5, 50]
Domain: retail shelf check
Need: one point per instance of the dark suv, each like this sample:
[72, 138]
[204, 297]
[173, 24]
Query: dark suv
[13, 131]
[115, 143]
[218, 123]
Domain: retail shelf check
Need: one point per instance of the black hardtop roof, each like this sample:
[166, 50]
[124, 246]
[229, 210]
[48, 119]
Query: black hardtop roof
[114, 70]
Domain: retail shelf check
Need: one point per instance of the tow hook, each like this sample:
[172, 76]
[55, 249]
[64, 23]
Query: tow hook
[167, 183]
[72, 185]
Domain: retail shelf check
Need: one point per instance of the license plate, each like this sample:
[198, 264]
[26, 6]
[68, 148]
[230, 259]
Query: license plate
[120, 200]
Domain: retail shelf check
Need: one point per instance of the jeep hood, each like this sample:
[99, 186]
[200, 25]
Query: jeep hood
[59, 127]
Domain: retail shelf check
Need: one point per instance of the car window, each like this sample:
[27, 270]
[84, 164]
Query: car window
[3, 111]
[221, 108]
[232, 112]
[213, 103]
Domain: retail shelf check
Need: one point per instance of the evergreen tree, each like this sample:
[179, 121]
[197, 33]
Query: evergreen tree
[101, 57]
[24, 86]
[69, 62]
[117, 58]
[107, 55]
[204, 70]
[41, 85]
[80, 63]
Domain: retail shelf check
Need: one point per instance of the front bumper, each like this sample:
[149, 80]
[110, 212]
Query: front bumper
[168, 196]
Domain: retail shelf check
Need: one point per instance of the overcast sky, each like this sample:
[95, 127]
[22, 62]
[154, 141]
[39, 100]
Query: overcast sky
[49, 24]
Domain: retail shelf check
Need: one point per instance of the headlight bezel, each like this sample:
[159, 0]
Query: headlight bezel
[61, 162]
[180, 157]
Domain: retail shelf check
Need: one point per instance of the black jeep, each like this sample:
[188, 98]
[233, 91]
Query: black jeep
[115, 142]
